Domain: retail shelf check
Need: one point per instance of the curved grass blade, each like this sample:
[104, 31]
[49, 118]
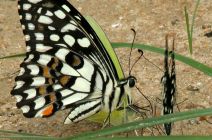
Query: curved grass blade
[144, 123]
[105, 41]
[191, 62]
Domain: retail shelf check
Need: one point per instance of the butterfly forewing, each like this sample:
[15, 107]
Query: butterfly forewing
[66, 64]
[50, 22]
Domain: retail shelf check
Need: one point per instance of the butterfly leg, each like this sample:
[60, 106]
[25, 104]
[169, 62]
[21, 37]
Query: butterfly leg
[107, 120]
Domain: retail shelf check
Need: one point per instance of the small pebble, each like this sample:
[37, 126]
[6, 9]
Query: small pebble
[192, 88]
[116, 25]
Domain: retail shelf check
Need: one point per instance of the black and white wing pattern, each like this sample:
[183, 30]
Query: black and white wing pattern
[66, 65]
[169, 84]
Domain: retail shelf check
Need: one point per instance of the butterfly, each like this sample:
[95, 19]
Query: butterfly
[169, 84]
[67, 65]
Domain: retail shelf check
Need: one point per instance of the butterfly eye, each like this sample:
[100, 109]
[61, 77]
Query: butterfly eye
[132, 81]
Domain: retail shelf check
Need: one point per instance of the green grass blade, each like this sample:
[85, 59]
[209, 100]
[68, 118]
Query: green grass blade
[17, 133]
[188, 30]
[18, 137]
[160, 138]
[145, 123]
[194, 16]
[13, 56]
[193, 63]
[100, 33]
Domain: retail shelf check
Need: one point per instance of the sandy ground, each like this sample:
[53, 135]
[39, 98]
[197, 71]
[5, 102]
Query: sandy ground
[152, 20]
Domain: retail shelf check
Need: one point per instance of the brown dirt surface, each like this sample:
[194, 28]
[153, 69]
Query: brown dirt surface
[152, 20]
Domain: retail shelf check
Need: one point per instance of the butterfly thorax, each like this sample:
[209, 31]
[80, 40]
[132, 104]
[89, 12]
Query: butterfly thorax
[114, 96]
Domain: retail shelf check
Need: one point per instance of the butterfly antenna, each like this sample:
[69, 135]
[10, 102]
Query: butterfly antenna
[146, 99]
[141, 54]
[152, 63]
[134, 35]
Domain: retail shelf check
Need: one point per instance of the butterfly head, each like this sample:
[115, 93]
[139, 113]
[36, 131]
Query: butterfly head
[130, 83]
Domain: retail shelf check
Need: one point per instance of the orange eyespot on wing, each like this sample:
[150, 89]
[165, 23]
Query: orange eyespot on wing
[48, 111]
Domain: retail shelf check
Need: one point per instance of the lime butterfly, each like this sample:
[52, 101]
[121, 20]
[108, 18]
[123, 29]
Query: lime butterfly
[169, 84]
[66, 65]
